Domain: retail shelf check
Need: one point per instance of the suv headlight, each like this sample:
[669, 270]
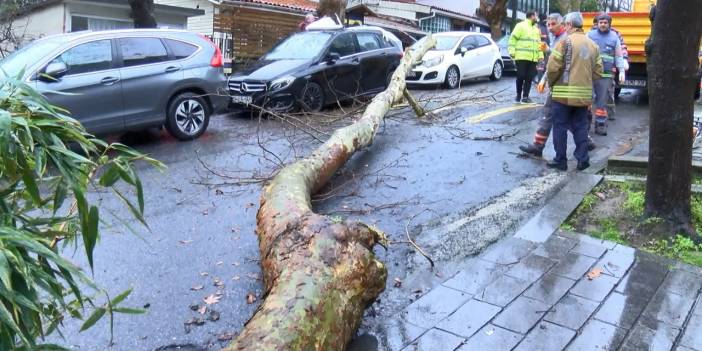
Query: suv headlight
[281, 83]
[433, 62]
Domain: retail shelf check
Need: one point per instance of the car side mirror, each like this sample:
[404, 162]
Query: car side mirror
[333, 57]
[54, 71]
[463, 50]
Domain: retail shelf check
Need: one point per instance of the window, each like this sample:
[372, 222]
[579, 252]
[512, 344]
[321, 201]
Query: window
[142, 51]
[482, 41]
[343, 45]
[89, 57]
[79, 23]
[436, 24]
[299, 46]
[368, 41]
[180, 49]
[469, 42]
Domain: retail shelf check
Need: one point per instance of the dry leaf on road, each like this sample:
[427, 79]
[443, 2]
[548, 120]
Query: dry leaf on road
[601, 196]
[185, 241]
[594, 273]
[196, 287]
[236, 277]
[202, 309]
[398, 282]
[250, 298]
[226, 336]
[212, 299]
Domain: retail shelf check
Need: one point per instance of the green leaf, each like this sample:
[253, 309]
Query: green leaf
[91, 234]
[50, 347]
[140, 195]
[117, 300]
[134, 210]
[59, 195]
[110, 177]
[94, 317]
[128, 310]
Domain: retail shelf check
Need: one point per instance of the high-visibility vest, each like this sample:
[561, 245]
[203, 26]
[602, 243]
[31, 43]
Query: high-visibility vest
[524, 42]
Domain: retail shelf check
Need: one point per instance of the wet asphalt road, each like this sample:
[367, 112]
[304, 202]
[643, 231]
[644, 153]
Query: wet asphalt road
[202, 231]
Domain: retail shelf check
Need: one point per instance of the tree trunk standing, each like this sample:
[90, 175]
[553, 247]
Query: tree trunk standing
[319, 275]
[331, 8]
[494, 12]
[143, 13]
[672, 74]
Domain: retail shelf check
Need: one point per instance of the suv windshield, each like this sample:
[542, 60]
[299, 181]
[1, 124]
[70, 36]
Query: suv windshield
[443, 42]
[18, 60]
[300, 46]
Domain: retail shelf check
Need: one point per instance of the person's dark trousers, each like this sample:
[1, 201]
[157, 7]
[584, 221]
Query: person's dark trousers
[526, 71]
[574, 119]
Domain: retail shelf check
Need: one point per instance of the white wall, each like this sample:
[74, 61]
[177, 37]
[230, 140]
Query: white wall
[42, 22]
[202, 24]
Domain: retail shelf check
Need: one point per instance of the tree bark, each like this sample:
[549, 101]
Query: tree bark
[143, 13]
[332, 8]
[318, 274]
[494, 12]
[418, 110]
[672, 74]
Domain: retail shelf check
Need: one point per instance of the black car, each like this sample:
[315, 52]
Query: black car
[311, 69]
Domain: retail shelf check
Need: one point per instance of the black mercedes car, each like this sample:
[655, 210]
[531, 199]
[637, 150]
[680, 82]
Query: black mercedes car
[311, 69]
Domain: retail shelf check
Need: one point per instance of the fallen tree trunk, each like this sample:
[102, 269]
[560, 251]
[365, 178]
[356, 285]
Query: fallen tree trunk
[319, 275]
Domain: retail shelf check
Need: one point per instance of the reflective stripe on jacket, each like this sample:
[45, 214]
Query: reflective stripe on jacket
[574, 64]
[524, 42]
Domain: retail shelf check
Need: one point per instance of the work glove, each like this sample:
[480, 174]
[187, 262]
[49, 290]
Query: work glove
[543, 47]
[622, 77]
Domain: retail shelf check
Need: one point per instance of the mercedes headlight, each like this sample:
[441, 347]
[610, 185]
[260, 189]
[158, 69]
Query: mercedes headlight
[281, 83]
[433, 62]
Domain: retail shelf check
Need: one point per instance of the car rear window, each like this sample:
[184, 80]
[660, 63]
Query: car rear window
[180, 49]
[368, 41]
[482, 41]
[142, 51]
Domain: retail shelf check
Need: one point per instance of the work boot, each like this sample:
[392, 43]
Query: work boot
[583, 165]
[532, 149]
[518, 99]
[600, 128]
[557, 165]
[590, 144]
[527, 100]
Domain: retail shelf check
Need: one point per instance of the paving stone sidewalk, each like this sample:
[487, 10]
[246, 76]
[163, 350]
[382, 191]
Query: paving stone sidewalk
[522, 295]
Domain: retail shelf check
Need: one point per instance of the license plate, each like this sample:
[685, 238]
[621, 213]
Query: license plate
[412, 74]
[635, 83]
[240, 99]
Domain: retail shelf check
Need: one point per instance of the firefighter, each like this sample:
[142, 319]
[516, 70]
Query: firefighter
[574, 64]
[524, 47]
[558, 32]
[611, 52]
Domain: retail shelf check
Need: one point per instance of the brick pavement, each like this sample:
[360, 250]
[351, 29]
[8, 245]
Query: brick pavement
[526, 295]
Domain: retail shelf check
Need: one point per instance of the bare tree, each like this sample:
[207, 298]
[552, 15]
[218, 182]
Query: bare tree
[11, 34]
[494, 12]
[676, 29]
[143, 13]
[332, 8]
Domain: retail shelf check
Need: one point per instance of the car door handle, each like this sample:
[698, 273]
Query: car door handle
[355, 60]
[172, 69]
[109, 80]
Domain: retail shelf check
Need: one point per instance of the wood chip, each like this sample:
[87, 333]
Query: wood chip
[594, 273]
[250, 298]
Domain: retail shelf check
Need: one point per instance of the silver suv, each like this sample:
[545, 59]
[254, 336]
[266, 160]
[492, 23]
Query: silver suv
[127, 79]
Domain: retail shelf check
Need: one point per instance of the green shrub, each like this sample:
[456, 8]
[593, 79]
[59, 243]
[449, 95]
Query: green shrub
[43, 202]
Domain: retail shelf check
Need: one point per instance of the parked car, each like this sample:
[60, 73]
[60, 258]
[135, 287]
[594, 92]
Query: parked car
[458, 56]
[311, 69]
[510, 66]
[127, 79]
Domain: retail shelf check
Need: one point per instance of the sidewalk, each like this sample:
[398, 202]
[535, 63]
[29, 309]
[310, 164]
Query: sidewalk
[531, 292]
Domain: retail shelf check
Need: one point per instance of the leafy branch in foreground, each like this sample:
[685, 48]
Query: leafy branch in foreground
[47, 164]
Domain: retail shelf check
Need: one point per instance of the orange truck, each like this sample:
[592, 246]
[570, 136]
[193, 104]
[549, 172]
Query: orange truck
[635, 28]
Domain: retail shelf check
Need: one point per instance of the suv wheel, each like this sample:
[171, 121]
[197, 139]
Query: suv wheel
[496, 71]
[188, 116]
[312, 97]
[453, 77]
